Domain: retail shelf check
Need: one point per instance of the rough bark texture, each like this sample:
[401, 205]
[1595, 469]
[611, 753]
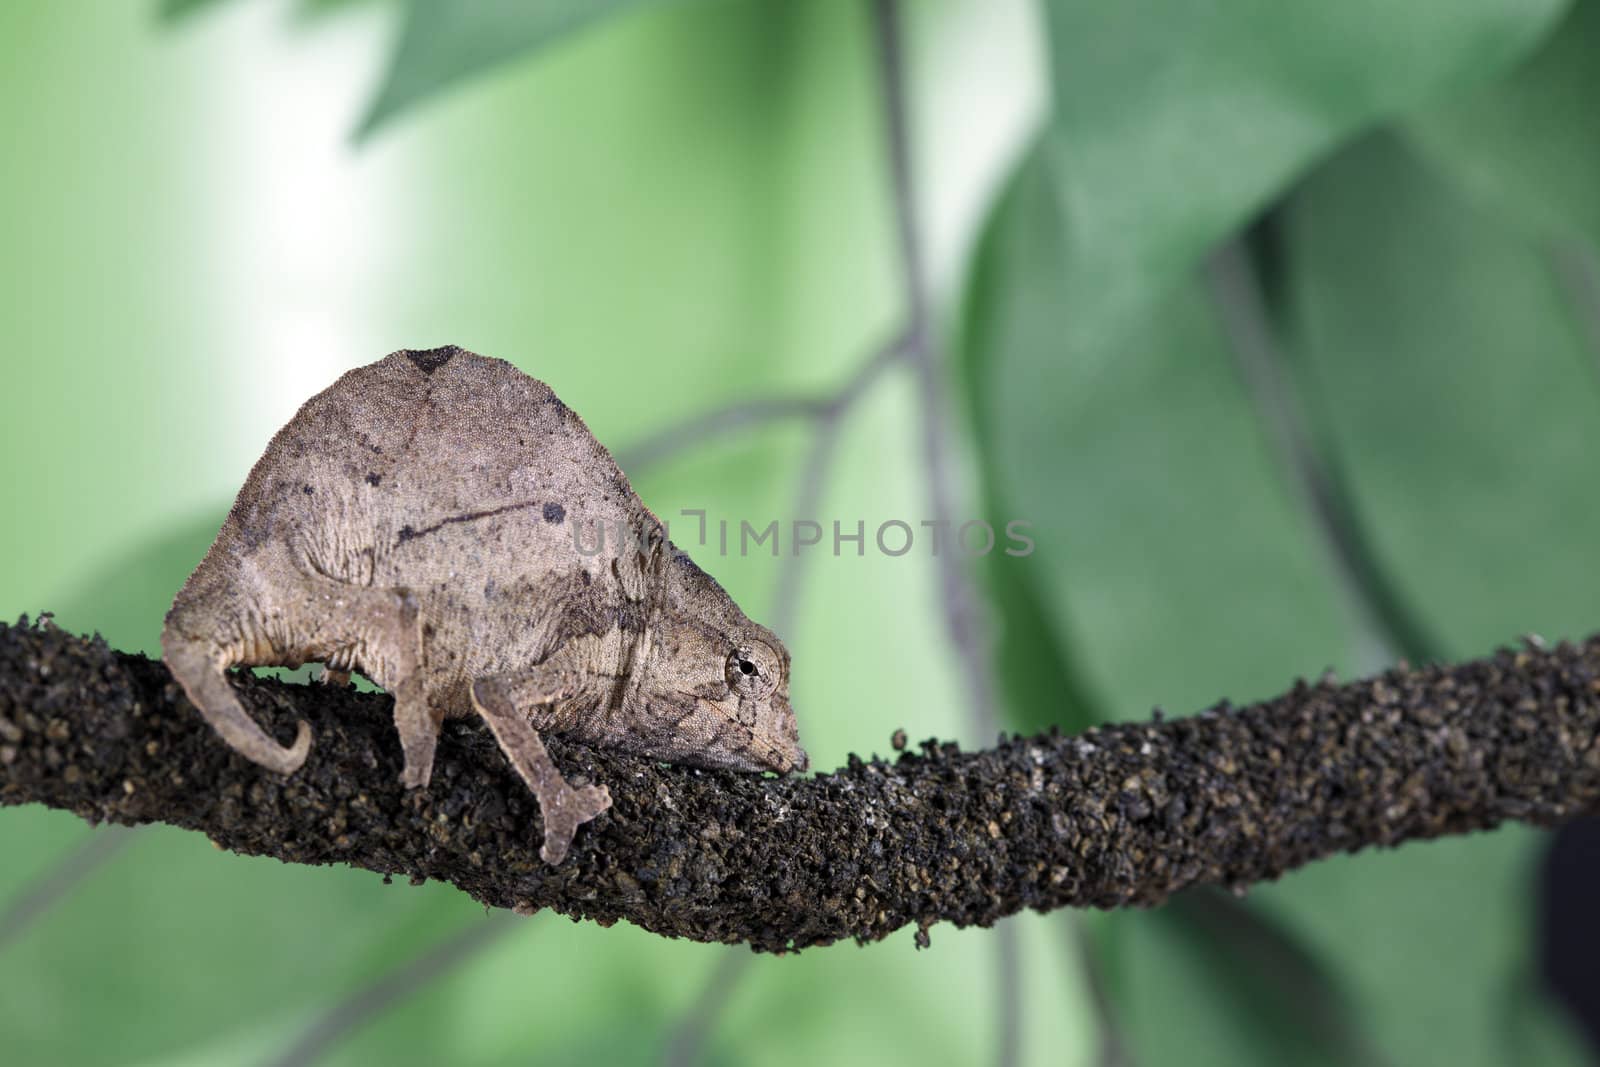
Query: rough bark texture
[1124, 814]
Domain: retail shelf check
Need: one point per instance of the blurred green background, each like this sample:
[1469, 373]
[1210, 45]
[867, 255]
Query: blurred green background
[1279, 321]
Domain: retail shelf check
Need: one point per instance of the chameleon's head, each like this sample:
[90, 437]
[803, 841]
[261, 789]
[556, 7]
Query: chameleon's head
[719, 683]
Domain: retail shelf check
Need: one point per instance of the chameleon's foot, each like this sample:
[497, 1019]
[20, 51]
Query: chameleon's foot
[419, 733]
[563, 807]
[566, 811]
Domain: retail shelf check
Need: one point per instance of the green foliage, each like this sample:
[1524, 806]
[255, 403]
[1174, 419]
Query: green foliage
[1457, 390]
[1221, 981]
[1110, 411]
[1175, 123]
[445, 41]
[178, 9]
[1525, 143]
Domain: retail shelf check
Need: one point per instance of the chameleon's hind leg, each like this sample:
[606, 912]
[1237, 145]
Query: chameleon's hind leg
[227, 616]
[506, 703]
[381, 630]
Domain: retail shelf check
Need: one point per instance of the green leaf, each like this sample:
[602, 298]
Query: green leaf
[1174, 123]
[1458, 396]
[1528, 144]
[1225, 981]
[1107, 414]
[1223, 976]
[1167, 545]
[443, 42]
[1462, 409]
[1537, 1028]
[173, 10]
[1039, 679]
[1431, 938]
[1462, 415]
[1169, 553]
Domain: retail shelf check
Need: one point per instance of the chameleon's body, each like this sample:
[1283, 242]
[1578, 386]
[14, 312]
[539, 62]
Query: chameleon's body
[414, 522]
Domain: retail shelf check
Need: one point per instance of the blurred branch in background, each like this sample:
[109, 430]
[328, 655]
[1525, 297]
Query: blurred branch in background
[814, 476]
[1577, 269]
[56, 882]
[686, 1043]
[1382, 622]
[369, 1001]
[1259, 945]
[1121, 815]
[1283, 978]
[824, 411]
[956, 601]
[708, 426]
[1111, 1048]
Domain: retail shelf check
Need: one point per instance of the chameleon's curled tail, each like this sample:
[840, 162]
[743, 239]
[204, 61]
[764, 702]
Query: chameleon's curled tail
[200, 668]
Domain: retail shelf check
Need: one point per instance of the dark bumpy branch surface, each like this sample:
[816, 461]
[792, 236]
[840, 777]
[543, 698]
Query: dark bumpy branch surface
[1122, 815]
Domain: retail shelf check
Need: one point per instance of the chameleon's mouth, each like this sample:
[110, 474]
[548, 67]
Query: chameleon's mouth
[780, 758]
[783, 743]
[754, 759]
[769, 743]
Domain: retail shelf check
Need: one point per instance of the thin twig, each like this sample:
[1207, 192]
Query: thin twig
[955, 593]
[56, 882]
[718, 422]
[706, 426]
[1112, 1051]
[1123, 814]
[1577, 268]
[956, 599]
[406, 980]
[686, 1045]
[814, 475]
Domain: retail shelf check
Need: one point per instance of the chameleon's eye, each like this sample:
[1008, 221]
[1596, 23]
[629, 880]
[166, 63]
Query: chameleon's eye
[752, 670]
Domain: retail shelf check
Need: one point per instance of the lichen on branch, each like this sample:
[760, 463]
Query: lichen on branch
[1124, 814]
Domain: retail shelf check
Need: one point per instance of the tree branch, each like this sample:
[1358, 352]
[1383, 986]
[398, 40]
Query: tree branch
[1121, 815]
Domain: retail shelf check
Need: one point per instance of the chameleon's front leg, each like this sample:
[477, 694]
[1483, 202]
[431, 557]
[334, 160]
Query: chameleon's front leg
[506, 703]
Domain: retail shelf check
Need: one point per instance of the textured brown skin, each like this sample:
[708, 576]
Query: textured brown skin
[414, 522]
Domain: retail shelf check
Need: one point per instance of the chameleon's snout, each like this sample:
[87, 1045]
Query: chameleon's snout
[784, 736]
